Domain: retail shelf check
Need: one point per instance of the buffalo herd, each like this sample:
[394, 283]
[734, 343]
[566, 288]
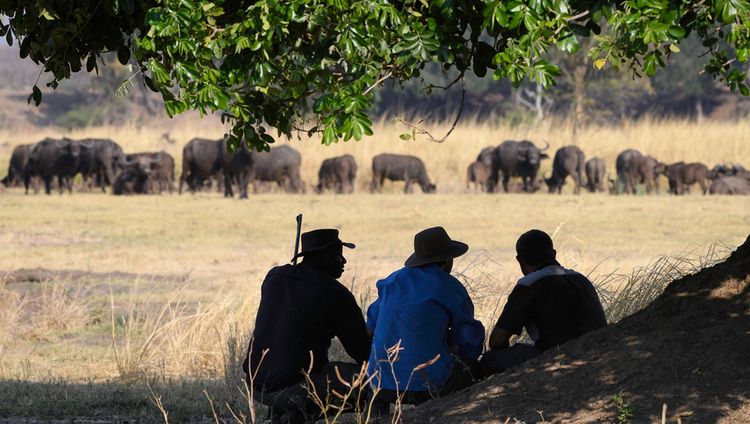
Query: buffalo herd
[512, 166]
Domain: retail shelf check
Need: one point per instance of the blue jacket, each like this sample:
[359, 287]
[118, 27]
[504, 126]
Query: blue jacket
[427, 313]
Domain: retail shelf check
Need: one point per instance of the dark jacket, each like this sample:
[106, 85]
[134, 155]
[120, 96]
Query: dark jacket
[301, 310]
[554, 304]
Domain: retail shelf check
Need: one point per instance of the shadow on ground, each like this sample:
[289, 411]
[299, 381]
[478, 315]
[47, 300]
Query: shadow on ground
[688, 350]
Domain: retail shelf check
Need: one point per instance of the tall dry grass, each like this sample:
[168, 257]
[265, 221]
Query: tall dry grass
[185, 358]
[669, 140]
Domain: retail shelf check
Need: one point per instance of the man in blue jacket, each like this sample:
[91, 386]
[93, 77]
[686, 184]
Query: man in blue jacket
[425, 339]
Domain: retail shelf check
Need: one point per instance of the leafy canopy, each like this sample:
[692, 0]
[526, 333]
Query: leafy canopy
[311, 65]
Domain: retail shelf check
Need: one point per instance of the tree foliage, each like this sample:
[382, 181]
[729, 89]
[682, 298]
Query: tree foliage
[312, 65]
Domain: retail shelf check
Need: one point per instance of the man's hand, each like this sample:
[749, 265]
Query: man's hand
[499, 338]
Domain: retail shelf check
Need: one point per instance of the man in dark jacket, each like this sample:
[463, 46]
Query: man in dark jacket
[554, 304]
[302, 308]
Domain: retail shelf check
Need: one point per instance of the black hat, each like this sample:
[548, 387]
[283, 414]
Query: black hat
[433, 245]
[320, 239]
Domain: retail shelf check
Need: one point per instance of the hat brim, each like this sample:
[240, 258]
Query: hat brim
[454, 250]
[325, 246]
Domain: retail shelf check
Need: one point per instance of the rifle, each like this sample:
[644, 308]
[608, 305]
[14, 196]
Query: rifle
[296, 239]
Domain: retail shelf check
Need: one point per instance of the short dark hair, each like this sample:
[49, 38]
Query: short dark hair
[535, 247]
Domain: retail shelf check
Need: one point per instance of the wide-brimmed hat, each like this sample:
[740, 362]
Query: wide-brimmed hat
[320, 239]
[434, 245]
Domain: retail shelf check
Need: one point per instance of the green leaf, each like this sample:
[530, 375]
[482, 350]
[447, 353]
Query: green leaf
[36, 96]
[729, 12]
[677, 32]
[405, 136]
[123, 55]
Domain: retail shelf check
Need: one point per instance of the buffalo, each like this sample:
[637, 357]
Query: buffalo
[727, 170]
[682, 175]
[595, 172]
[478, 174]
[569, 160]
[202, 159]
[518, 159]
[236, 167]
[281, 165]
[54, 158]
[161, 172]
[635, 168]
[730, 185]
[101, 162]
[405, 168]
[337, 173]
[17, 167]
[136, 176]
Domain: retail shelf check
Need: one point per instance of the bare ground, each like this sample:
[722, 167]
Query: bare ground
[688, 350]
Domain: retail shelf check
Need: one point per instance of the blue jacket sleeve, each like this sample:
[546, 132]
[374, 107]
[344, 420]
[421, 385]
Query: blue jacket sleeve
[372, 314]
[466, 333]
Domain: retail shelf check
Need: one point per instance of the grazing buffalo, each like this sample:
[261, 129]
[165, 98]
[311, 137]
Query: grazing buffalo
[136, 176]
[634, 168]
[236, 168]
[202, 159]
[648, 170]
[518, 159]
[161, 172]
[400, 168]
[569, 160]
[727, 170]
[54, 158]
[730, 185]
[682, 175]
[19, 160]
[101, 162]
[595, 172]
[478, 174]
[626, 166]
[337, 173]
[281, 165]
[488, 157]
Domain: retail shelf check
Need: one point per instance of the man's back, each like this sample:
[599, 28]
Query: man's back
[423, 310]
[555, 305]
[301, 310]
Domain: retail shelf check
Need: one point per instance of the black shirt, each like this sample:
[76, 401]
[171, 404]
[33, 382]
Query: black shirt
[555, 305]
[302, 310]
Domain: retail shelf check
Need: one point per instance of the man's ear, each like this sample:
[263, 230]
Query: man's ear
[554, 254]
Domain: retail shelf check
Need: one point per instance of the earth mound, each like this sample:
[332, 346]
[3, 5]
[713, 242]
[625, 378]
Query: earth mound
[688, 350]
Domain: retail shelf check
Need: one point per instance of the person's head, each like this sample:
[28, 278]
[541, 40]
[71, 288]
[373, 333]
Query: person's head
[533, 250]
[330, 260]
[433, 246]
[322, 249]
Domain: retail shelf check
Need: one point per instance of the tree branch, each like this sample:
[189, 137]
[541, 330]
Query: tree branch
[419, 130]
[383, 78]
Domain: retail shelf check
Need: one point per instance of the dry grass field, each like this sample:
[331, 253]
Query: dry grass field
[168, 285]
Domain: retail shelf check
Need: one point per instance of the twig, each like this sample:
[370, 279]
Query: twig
[383, 78]
[419, 130]
[564, 221]
[211, 402]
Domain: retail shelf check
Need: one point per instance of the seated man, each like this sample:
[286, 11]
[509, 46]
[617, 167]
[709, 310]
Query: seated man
[553, 303]
[302, 308]
[426, 340]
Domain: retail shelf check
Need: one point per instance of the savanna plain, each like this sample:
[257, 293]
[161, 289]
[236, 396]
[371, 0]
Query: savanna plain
[132, 306]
